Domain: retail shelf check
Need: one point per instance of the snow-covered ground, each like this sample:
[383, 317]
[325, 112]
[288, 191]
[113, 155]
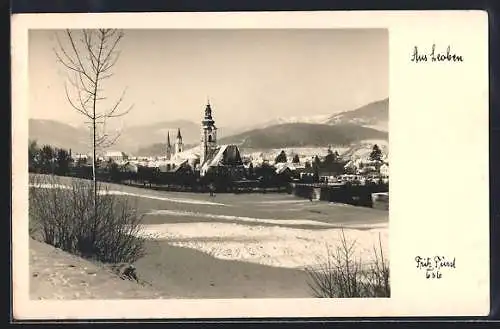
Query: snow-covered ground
[246, 219]
[272, 246]
[139, 195]
[295, 241]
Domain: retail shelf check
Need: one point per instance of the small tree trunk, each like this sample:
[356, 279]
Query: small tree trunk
[94, 181]
[94, 178]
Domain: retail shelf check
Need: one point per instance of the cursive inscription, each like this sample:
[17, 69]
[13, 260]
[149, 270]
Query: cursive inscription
[434, 55]
[434, 266]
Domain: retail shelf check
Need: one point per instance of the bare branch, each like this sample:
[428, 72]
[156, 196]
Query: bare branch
[114, 111]
[89, 56]
[106, 64]
[107, 142]
[105, 76]
[70, 64]
[122, 113]
[110, 62]
[77, 55]
[84, 102]
[88, 43]
[80, 110]
[89, 89]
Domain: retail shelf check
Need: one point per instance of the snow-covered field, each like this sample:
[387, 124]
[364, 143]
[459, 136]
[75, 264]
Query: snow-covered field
[140, 195]
[275, 230]
[273, 246]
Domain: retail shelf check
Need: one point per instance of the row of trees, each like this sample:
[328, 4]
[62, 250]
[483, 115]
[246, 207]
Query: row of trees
[58, 161]
[329, 158]
[48, 160]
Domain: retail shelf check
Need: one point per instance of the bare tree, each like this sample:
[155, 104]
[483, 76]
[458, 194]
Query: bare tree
[89, 57]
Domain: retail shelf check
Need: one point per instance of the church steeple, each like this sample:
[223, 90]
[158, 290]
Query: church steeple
[178, 142]
[169, 146]
[209, 134]
[208, 114]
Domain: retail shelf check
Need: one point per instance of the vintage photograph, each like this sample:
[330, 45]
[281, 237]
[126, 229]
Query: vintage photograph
[208, 163]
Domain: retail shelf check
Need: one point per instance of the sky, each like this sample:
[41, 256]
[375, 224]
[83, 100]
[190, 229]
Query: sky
[250, 76]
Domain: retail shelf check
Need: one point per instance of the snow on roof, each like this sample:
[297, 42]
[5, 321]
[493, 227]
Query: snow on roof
[175, 161]
[350, 164]
[80, 156]
[191, 154]
[170, 165]
[219, 155]
[282, 166]
[114, 154]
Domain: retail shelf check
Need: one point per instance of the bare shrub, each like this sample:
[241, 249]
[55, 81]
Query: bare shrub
[65, 218]
[341, 275]
[377, 275]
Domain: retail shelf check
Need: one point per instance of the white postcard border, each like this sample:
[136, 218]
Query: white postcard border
[434, 108]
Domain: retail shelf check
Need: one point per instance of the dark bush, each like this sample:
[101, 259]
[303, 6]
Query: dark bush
[67, 218]
[341, 275]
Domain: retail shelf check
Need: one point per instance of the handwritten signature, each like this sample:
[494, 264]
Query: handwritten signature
[434, 266]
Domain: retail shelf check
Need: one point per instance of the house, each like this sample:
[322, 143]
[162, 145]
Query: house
[384, 170]
[129, 167]
[115, 156]
[81, 159]
[171, 165]
[351, 167]
[368, 170]
[284, 168]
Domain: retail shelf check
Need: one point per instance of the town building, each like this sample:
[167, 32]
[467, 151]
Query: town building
[174, 157]
[81, 159]
[115, 156]
[384, 170]
[208, 136]
[210, 157]
[218, 159]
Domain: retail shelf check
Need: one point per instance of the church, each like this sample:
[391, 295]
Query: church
[212, 158]
[175, 159]
[177, 148]
[218, 159]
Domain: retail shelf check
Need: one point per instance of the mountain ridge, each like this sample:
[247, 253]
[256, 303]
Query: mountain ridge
[303, 135]
[351, 126]
[374, 114]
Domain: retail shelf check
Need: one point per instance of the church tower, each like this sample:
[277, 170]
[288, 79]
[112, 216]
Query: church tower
[178, 142]
[208, 135]
[169, 147]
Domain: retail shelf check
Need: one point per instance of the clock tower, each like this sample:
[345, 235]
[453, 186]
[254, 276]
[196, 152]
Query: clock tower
[208, 135]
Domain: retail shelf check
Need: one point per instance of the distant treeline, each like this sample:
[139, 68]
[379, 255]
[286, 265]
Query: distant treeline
[57, 161]
[48, 160]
